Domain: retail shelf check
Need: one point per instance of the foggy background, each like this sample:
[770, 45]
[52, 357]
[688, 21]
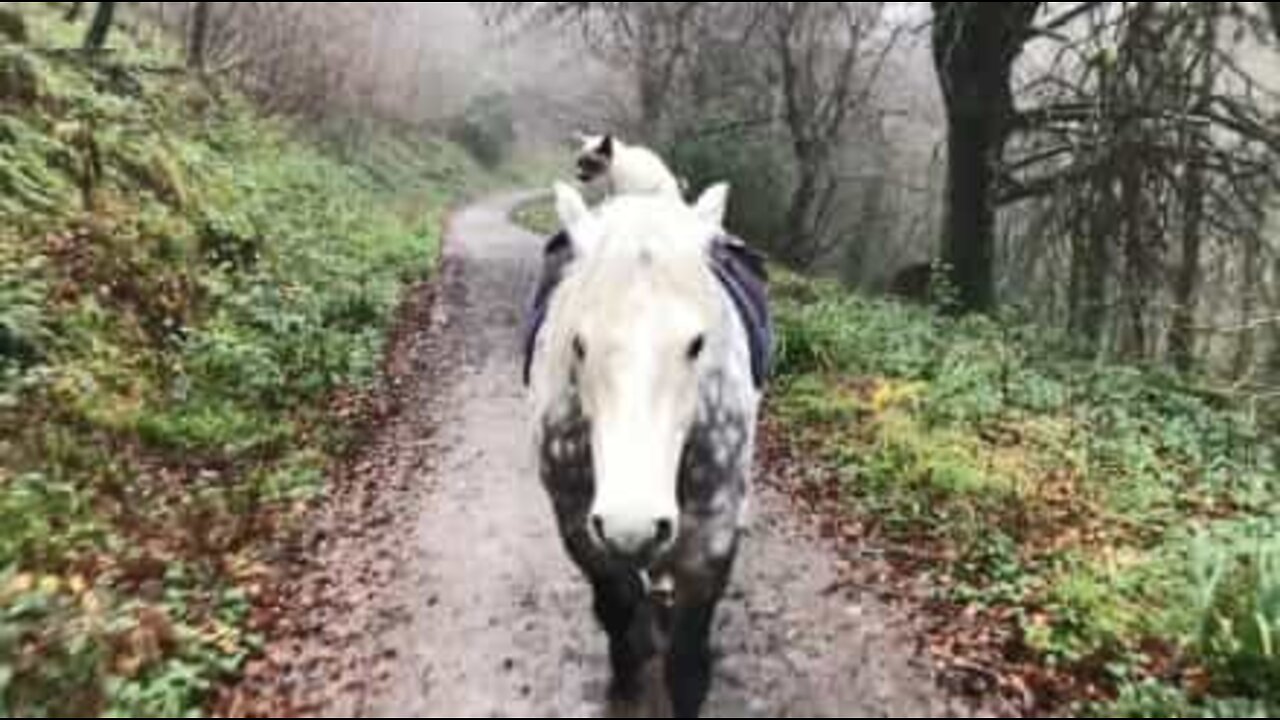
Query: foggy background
[1134, 157]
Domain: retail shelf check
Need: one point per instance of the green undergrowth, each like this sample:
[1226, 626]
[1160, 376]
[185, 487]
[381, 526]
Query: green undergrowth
[1126, 524]
[538, 216]
[193, 302]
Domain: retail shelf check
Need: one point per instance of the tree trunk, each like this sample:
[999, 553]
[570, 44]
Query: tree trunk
[1091, 273]
[652, 103]
[1247, 351]
[800, 230]
[969, 246]
[101, 28]
[975, 48]
[1182, 341]
[75, 11]
[658, 59]
[199, 43]
[1187, 288]
[1137, 258]
[1098, 289]
[1094, 221]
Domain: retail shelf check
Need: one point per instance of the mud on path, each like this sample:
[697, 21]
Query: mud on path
[435, 585]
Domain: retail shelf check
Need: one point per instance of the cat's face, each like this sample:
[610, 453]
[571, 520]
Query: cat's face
[595, 158]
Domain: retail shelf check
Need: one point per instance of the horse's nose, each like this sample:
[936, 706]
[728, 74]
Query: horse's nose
[639, 540]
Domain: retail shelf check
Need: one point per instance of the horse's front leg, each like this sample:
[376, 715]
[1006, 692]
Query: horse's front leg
[619, 602]
[689, 661]
[622, 608]
[689, 664]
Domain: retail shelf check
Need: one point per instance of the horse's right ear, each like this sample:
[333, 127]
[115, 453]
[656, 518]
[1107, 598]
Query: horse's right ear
[713, 205]
[571, 207]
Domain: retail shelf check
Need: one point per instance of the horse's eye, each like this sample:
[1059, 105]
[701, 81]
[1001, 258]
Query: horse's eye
[697, 347]
[579, 348]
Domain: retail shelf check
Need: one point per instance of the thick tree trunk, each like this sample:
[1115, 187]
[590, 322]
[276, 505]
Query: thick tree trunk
[969, 247]
[975, 48]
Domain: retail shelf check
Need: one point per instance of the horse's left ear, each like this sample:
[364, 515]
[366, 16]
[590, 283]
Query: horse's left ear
[713, 205]
[571, 207]
[575, 217]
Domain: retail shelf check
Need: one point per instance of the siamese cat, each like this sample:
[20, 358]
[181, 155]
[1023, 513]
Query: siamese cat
[606, 163]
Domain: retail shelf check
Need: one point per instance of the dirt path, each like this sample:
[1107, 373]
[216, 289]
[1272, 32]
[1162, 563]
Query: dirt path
[437, 587]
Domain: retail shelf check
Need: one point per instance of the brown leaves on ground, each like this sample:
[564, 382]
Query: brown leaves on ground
[979, 651]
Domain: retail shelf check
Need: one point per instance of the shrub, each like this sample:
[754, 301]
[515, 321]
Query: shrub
[13, 27]
[487, 129]
[759, 170]
[19, 79]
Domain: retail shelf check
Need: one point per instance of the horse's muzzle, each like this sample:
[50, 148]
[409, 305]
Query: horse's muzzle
[639, 543]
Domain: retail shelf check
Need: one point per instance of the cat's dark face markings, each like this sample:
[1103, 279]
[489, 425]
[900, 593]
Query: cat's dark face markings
[594, 162]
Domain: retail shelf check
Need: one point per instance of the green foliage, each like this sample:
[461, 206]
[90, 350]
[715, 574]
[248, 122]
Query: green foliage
[487, 129]
[29, 179]
[176, 328]
[13, 26]
[538, 216]
[24, 335]
[46, 521]
[1237, 591]
[1153, 700]
[20, 82]
[1058, 490]
[757, 168]
[59, 638]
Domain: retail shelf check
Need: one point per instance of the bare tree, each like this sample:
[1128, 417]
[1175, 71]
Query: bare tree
[320, 61]
[829, 63]
[652, 41]
[1154, 155]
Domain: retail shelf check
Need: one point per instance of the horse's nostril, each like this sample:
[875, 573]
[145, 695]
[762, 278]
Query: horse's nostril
[634, 540]
[666, 532]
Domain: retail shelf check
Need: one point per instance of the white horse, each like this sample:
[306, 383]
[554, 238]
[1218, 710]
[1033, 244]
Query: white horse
[646, 371]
